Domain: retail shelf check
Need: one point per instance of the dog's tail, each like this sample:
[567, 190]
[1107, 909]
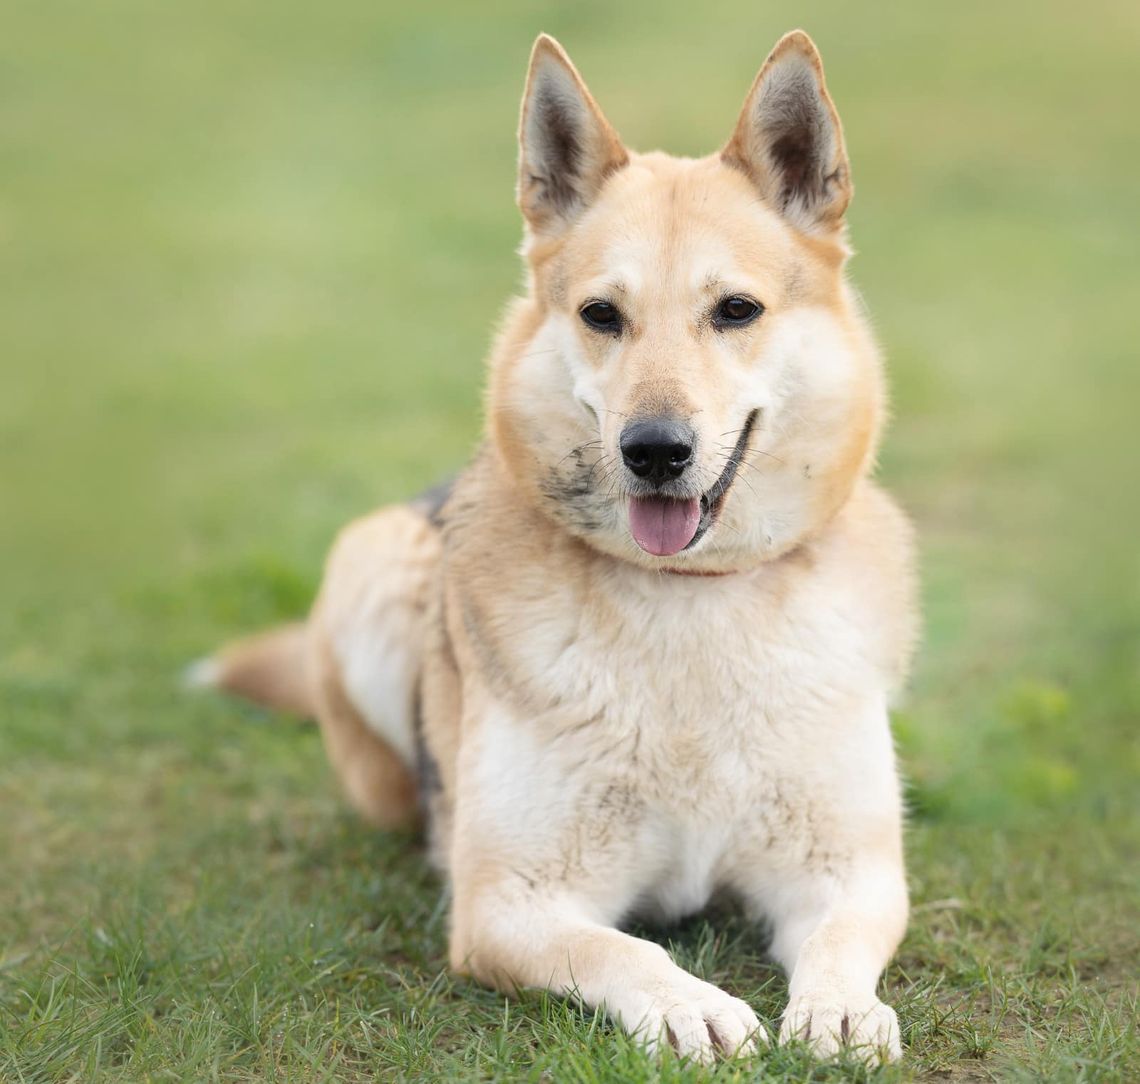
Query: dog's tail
[270, 668]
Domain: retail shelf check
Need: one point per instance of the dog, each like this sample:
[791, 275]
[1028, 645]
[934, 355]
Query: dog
[641, 651]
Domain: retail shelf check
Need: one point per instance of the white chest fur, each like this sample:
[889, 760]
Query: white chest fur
[674, 730]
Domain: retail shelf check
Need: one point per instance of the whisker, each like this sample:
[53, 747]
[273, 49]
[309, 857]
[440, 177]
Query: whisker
[768, 455]
[597, 463]
[751, 452]
[577, 448]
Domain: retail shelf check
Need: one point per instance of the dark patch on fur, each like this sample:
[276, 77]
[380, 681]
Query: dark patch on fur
[427, 767]
[573, 499]
[432, 502]
[570, 488]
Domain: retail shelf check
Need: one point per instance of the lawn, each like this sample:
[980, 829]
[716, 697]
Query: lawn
[250, 259]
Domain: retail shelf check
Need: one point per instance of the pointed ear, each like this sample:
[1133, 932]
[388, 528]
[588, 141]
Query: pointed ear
[789, 139]
[566, 147]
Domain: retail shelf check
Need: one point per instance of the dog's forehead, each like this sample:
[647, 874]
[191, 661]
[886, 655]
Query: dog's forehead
[677, 225]
[634, 264]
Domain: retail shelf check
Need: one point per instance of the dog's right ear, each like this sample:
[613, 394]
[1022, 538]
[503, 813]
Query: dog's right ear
[567, 148]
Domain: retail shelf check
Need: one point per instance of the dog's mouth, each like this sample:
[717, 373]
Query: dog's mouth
[665, 526]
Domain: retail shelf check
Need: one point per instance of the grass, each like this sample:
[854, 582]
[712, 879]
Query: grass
[250, 257]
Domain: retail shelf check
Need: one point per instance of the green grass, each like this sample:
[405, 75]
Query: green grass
[250, 257]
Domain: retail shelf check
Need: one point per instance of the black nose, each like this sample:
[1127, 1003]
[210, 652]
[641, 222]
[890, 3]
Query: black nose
[657, 449]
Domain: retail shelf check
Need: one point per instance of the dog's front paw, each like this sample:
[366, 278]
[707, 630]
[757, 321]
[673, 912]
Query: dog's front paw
[696, 1018]
[827, 1023]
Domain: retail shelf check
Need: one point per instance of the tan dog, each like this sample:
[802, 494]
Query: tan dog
[643, 650]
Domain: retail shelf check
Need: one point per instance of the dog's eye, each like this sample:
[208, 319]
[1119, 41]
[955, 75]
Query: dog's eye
[602, 316]
[736, 312]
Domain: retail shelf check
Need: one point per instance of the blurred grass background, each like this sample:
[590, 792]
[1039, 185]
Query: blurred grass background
[250, 259]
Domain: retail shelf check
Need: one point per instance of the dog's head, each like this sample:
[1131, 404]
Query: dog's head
[690, 383]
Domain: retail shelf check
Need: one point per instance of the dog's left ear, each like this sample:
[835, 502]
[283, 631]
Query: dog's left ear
[789, 139]
[567, 148]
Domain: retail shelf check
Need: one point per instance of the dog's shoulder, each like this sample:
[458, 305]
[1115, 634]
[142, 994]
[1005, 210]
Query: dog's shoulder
[866, 558]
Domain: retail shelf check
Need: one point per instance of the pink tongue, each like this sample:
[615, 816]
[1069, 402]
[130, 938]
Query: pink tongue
[663, 527]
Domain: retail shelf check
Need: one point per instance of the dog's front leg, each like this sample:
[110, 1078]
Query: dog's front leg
[834, 935]
[549, 851]
[826, 874]
[509, 935]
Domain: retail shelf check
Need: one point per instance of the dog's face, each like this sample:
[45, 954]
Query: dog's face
[689, 384]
